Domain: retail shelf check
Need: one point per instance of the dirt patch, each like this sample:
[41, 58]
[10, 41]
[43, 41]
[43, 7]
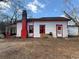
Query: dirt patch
[40, 49]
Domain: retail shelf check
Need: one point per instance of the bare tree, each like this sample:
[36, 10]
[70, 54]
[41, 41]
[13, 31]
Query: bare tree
[6, 19]
[14, 8]
[72, 9]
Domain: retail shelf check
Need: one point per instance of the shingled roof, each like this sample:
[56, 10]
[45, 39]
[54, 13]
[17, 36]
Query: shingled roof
[47, 19]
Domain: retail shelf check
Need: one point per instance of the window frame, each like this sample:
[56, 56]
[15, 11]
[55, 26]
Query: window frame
[31, 30]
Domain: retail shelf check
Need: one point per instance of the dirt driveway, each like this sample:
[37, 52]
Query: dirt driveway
[40, 49]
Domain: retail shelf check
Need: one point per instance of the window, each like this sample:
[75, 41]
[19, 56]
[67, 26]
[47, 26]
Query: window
[13, 30]
[42, 28]
[59, 28]
[30, 28]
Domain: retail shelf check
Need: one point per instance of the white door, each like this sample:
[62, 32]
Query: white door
[59, 30]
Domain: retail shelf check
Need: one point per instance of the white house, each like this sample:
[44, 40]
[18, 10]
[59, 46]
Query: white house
[35, 27]
[73, 29]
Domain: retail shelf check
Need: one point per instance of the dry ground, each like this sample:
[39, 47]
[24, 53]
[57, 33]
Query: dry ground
[43, 48]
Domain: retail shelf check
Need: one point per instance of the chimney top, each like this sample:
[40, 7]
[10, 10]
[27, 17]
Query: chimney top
[24, 13]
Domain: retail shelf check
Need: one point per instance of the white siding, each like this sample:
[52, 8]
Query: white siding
[49, 27]
[71, 22]
[19, 27]
[73, 31]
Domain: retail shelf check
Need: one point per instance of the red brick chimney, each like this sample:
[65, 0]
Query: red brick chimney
[24, 32]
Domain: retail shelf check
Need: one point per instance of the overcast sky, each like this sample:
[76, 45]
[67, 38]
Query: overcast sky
[42, 8]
